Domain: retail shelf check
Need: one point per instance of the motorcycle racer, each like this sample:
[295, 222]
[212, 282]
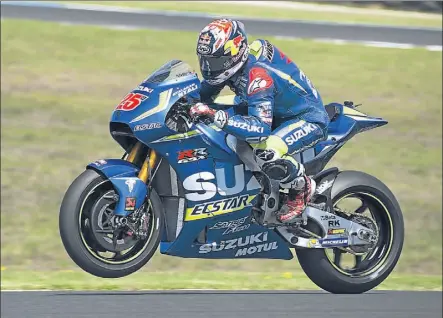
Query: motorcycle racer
[284, 112]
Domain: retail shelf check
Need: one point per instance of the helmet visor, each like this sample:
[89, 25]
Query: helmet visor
[214, 65]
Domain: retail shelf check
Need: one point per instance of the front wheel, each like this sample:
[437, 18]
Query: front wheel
[94, 237]
[366, 200]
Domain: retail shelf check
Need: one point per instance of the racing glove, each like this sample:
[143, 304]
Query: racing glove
[219, 117]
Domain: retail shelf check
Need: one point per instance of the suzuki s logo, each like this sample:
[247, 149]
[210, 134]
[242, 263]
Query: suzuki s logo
[130, 183]
[205, 185]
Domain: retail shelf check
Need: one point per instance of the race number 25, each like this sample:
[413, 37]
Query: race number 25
[131, 101]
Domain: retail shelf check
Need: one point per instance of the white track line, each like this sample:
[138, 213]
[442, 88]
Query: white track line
[107, 290]
[368, 43]
[329, 8]
[391, 45]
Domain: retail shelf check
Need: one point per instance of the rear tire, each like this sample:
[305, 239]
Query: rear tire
[75, 243]
[321, 270]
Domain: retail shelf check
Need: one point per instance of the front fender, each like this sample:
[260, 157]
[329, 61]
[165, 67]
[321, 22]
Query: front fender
[114, 167]
[131, 190]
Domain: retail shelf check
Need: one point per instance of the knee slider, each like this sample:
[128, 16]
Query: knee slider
[277, 169]
[281, 169]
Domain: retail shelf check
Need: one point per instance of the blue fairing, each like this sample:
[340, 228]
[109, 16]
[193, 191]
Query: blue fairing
[147, 120]
[220, 180]
[219, 191]
[251, 240]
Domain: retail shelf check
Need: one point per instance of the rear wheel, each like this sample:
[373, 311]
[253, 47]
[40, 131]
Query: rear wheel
[98, 241]
[365, 200]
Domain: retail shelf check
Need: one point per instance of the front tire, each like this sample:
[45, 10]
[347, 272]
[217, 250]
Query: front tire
[82, 246]
[328, 275]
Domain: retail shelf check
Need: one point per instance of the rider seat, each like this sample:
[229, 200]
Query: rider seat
[333, 111]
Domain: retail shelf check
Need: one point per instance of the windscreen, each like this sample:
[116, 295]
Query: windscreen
[173, 70]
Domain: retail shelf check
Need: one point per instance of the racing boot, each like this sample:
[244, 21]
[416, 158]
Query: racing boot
[293, 209]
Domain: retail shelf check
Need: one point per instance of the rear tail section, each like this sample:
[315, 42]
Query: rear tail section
[363, 121]
[345, 122]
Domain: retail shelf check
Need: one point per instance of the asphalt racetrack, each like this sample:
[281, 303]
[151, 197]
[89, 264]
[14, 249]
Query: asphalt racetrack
[218, 304]
[151, 19]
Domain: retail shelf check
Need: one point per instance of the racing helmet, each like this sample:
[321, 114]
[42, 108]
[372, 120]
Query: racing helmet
[222, 50]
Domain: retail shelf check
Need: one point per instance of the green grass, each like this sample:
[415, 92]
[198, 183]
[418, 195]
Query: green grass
[143, 280]
[60, 84]
[430, 20]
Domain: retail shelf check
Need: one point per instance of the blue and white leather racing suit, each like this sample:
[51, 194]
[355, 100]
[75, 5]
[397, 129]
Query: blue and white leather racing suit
[285, 112]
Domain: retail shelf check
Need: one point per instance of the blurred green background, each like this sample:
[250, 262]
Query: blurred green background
[60, 84]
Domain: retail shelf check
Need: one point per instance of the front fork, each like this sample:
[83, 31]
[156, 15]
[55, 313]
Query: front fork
[132, 191]
[148, 164]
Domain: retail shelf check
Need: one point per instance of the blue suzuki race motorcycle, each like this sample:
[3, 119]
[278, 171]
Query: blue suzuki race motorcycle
[197, 192]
